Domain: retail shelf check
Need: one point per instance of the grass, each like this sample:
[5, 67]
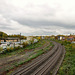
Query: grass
[27, 60]
[11, 53]
[48, 47]
[68, 65]
[39, 44]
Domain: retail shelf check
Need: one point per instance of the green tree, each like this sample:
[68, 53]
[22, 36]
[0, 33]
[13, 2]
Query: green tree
[3, 35]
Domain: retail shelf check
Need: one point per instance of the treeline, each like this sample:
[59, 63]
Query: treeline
[4, 35]
[18, 36]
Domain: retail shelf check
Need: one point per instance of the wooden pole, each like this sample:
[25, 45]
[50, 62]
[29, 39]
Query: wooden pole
[20, 38]
[0, 41]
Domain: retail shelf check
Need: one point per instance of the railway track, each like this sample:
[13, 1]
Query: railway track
[44, 64]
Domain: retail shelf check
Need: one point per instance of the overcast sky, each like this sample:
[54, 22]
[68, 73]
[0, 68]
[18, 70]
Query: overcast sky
[37, 17]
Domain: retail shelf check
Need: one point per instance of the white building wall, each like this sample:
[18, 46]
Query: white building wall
[61, 38]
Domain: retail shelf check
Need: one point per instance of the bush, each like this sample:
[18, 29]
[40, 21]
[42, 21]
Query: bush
[1, 49]
[18, 47]
[25, 44]
[32, 41]
[11, 48]
[8, 49]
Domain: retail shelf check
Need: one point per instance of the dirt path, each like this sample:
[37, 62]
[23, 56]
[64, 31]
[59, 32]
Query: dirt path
[12, 60]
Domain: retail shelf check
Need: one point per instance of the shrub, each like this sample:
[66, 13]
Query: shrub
[32, 41]
[25, 44]
[1, 49]
[8, 49]
[18, 47]
[11, 48]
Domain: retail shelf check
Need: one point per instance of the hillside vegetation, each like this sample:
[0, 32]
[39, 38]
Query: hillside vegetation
[68, 65]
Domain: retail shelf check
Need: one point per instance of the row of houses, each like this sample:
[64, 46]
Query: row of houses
[68, 38]
[59, 37]
[14, 39]
[9, 39]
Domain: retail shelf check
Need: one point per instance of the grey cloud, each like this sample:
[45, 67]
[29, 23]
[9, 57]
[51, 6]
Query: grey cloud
[44, 19]
[40, 23]
[6, 28]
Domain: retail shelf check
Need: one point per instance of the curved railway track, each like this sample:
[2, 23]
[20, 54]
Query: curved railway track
[42, 65]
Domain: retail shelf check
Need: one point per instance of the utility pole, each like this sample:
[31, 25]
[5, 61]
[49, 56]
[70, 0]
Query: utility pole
[20, 38]
[0, 41]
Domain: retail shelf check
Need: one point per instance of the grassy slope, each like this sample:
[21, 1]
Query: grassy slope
[68, 65]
